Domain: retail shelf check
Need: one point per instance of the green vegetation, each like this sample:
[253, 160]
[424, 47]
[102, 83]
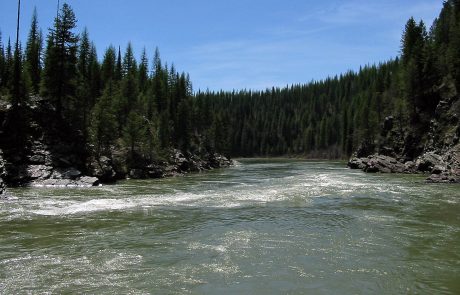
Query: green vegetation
[116, 102]
[334, 117]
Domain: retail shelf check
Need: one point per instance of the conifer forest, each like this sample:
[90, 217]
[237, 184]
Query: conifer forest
[118, 105]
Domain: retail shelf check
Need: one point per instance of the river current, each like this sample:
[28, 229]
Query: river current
[261, 227]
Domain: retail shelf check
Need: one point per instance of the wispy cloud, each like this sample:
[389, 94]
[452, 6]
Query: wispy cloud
[331, 39]
[360, 11]
[260, 64]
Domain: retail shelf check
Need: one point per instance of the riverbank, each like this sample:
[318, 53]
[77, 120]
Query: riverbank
[37, 149]
[439, 168]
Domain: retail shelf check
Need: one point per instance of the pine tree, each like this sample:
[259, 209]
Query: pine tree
[129, 65]
[134, 131]
[8, 66]
[143, 72]
[118, 67]
[159, 87]
[103, 128]
[183, 129]
[33, 54]
[60, 73]
[2, 65]
[108, 66]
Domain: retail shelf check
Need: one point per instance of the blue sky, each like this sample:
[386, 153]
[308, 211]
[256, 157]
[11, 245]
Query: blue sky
[252, 44]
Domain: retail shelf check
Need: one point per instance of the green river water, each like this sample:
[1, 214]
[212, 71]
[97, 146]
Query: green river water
[260, 227]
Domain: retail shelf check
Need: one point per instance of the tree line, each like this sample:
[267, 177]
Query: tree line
[147, 107]
[114, 103]
[336, 116]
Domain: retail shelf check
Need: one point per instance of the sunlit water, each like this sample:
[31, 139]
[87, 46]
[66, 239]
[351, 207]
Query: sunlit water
[261, 227]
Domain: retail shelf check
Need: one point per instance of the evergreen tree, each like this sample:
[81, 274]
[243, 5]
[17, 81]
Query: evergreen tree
[129, 66]
[103, 128]
[33, 54]
[60, 73]
[183, 129]
[159, 85]
[108, 66]
[8, 66]
[2, 64]
[143, 72]
[134, 131]
[118, 67]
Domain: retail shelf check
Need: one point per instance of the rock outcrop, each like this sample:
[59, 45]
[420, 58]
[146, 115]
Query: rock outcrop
[47, 155]
[435, 152]
[448, 171]
[442, 169]
[379, 163]
[179, 164]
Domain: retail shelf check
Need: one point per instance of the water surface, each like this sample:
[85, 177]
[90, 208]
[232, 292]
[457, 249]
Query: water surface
[261, 227]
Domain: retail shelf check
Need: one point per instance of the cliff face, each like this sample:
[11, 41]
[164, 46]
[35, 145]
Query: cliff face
[434, 150]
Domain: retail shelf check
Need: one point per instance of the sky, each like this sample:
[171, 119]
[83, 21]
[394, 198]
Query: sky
[240, 44]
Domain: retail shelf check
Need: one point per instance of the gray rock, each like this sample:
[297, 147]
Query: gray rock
[428, 161]
[410, 167]
[88, 181]
[384, 164]
[357, 163]
[66, 173]
[39, 171]
[84, 181]
[449, 170]
[438, 169]
[378, 163]
[103, 169]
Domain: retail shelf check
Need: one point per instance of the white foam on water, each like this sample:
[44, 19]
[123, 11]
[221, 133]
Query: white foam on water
[300, 188]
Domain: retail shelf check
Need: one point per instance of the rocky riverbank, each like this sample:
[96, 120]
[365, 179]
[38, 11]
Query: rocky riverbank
[435, 152]
[48, 156]
[441, 169]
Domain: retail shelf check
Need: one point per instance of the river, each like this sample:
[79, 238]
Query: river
[268, 226]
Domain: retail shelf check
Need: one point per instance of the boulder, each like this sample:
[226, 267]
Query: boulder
[379, 163]
[86, 181]
[449, 169]
[66, 173]
[102, 168]
[357, 163]
[39, 171]
[427, 162]
[218, 161]
[384, 164]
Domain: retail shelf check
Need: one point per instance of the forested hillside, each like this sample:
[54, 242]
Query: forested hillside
[110, 115]
[114, 115]
[353, 111]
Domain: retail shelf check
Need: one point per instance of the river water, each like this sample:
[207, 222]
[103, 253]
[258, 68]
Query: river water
[260, 227]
